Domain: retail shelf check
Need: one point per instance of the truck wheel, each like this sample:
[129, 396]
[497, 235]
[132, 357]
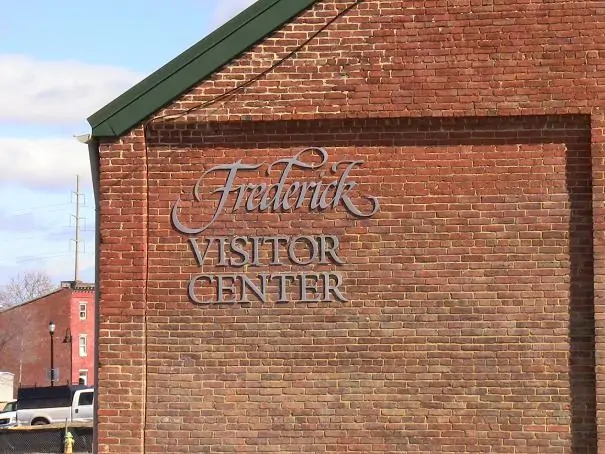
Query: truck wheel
[39, 422]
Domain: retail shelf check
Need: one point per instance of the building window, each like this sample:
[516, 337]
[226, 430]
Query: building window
[83, 377]
[83, 345]
[82, 310]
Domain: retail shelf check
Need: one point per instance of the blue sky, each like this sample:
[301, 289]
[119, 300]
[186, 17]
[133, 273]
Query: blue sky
[60, 62]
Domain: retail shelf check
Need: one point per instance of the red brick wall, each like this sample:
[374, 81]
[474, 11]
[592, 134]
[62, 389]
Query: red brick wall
[25, 341]
[470, 325]
[122, 292]
[86, 327]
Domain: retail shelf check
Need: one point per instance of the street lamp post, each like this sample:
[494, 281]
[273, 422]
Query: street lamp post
[68, 340]
[51, 331]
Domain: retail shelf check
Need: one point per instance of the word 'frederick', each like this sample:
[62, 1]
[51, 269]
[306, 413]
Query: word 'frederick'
[315, 195]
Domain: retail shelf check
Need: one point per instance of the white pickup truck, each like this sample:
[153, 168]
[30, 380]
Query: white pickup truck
[54, 404]
[8, 415]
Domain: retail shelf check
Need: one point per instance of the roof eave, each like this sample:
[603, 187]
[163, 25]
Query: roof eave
[194, 65]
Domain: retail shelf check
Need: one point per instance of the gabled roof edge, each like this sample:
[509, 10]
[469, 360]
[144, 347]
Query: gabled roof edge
[32, 300]
[194, 65]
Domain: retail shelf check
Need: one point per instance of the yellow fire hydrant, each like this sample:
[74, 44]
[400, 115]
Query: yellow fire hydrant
[69, 443]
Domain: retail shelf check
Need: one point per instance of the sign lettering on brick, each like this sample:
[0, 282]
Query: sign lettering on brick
[283, 195]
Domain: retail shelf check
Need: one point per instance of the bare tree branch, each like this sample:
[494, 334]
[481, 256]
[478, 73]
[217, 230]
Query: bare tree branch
[24, 287]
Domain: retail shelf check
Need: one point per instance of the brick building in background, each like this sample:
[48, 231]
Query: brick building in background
[359, 226]
[25, 338]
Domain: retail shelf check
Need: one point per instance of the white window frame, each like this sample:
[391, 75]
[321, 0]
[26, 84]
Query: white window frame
[83, 345]
[83, 374]
[83, 310]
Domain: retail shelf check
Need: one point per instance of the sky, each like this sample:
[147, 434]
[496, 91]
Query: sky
[60, 61]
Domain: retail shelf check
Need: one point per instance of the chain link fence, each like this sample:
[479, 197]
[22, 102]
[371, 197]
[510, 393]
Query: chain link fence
[44, 439]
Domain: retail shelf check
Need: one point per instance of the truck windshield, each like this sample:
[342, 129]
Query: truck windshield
[11, 406]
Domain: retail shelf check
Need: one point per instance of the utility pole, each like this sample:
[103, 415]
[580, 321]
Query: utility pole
[77, 218]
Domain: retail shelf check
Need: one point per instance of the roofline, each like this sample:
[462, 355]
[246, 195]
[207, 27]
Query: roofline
[78, 286]
[72, 286]
[39, 297]
[194, 65]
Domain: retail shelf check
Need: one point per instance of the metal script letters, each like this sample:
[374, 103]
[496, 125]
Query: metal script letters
[280, 196]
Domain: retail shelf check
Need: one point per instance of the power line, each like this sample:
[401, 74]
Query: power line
[52, 208]
[31, 258]
[241, 87]
[44, 257]
[31, 210]
[232, 92]
[58, 233]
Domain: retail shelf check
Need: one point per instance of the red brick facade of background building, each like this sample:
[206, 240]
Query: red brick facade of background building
[25, 339]
[474, 295]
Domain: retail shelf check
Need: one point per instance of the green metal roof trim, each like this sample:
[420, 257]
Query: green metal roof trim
[194, 65]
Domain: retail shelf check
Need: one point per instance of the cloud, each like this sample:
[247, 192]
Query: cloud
[45, 163]
[57, 92]
[22, 222]
[225, 10]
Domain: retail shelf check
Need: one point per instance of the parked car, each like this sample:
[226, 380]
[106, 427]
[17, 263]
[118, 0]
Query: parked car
[8, 415]
[54, 404]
